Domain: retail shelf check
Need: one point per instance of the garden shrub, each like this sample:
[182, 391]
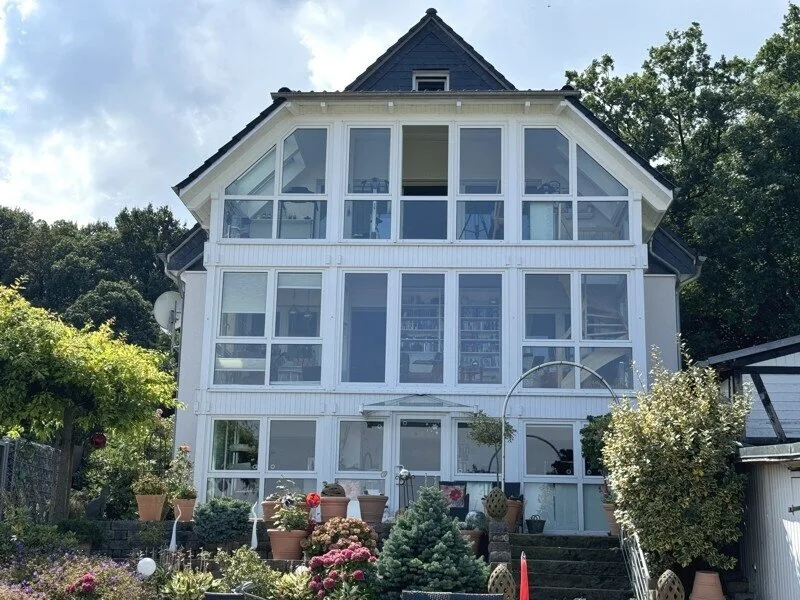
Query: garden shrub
[84, 530]
[349, 571]
[222, 520]
[243, 565]
[340, 532]
[671, 461]
[189, 585]
[425, 551]
[293, 586]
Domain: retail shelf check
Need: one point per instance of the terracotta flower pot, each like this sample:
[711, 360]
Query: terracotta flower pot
[707, 586]
[333, 506]
[269, 507]
[286, 544]
[150, 506]
[512, 516]
[186, 505]
[473, 536]
[372, 508]
[613, 526]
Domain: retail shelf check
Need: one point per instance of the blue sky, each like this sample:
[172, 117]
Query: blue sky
[107, 103]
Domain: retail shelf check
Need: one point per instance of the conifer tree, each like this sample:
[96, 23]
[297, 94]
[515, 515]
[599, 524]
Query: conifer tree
[425, 551]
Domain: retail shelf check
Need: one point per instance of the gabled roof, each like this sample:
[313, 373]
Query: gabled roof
[430, 44]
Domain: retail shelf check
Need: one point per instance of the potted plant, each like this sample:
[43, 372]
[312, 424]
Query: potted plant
[472, 529]
[488, 431]
[513, 517]
[270, 505]
[333, 501]
[372, 507]
[609, 506]
[535, 524]
[291, 528]
[151, 492]
[178, 477]
[184, 502]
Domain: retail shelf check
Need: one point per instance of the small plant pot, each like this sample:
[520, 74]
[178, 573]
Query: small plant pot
[286, 544]
[186, 506]
[535, 525]
[333, 506]
[613, 526]
[269, 507]
[473, 536]
[707, 586]
[372, 508]
[512, 516]
[150, 506]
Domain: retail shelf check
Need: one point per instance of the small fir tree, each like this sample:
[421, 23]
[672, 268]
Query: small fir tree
[425, 551]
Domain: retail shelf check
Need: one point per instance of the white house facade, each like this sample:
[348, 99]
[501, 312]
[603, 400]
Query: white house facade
[372, 266]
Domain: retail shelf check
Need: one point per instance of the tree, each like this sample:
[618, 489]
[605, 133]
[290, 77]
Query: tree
[488, 431]
[57, 382]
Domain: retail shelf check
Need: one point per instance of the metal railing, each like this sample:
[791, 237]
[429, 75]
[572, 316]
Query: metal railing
[636, 564]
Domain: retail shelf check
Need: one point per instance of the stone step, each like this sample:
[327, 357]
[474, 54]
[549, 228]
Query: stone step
[564, 580]
[563, 593]
[577, 554]
[564, 541]
[573, 567]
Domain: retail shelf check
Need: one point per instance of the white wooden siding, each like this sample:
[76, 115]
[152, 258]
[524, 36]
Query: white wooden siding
[661, 324]
[191, 357]
[784, 392]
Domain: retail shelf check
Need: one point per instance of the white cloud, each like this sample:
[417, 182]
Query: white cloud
[23, 8]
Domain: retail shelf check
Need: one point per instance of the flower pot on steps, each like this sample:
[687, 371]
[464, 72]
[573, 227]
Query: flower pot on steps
[707, 586]
[186, 506]
[372, 508]
[286, 544]
[512, 516]
[333, 506]
[150, 506]
[613, 526]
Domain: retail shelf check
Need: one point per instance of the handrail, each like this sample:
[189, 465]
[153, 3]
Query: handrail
[636, 565]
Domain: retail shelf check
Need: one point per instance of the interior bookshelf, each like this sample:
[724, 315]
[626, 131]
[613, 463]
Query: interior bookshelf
[479, 343]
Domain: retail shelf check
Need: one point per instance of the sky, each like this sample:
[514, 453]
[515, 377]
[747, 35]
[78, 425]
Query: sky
[108, 103]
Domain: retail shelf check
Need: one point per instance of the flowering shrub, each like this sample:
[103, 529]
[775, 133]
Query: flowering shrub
[352, 567]
[291, 515]
[84, 585]
[339, 533]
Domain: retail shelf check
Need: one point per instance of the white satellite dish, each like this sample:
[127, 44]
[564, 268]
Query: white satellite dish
[168, 309]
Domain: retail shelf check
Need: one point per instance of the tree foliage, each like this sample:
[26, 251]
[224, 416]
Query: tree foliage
[670, 457]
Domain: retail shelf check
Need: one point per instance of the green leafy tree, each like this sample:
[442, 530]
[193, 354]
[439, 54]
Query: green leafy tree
[425, 551]
[57, 382]
[670, 457]
[488, 431]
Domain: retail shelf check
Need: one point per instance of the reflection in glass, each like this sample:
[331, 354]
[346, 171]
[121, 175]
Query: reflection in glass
[292, 445]
[240, 488]
[247, 219]
[368, 171]
[295, 363]
[549, 450]
[361, 446]
[472, 457]
[546, 162]
[546, 220]
[480, 220]
[364, 341]
[603, 220]
[235, 446]
[304, 161]
[368, 219]
[556, 376]
[594, 180]
[480, 160]
[421, 444]
[240, 364]
[548, 314]
[615, 365]
[258, 180]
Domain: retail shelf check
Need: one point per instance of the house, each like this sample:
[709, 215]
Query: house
[372, 266]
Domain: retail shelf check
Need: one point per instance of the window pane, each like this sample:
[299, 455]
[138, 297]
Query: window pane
[605, 307]
[361, 446]
[556, 503]
[594, 518]
[235, 446]
[364, 343]
[304, 161]
[594, 180]
[292, 445]
[247, 219]
[258, 180]
[557, 376]
[369, 161]
[233, 487]
[603, 220]
[244, 300]
[356, 487]
[480, 323]
[297, 308]
[547, 307]
[295, 363]
[368, 219]
[480, 161]
[472, 457]
[480, 220]
[546, 220]
[549, 450]
[302, 219]
[421, 445]
[615, 365]
[422, 329]
[546, 162]
[424, 220]
[294, 484]
[240, 364]
[425, 160]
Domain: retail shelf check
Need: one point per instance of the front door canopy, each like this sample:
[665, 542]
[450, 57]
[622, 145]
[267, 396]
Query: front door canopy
[415, 403]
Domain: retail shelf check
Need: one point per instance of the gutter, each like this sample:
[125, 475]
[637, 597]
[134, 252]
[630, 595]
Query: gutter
[774, 453]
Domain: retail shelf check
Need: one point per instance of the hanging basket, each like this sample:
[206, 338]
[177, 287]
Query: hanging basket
[501, 581]
[496, 504]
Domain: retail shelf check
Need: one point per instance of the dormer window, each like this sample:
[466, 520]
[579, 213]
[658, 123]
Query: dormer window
[431, 81]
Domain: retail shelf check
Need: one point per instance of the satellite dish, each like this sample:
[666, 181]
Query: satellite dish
[167, 310]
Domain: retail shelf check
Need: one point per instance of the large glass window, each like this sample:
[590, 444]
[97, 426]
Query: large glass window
[364, 340]
[543, 220]
[548, 313]
[605, 307]
[258, 180]
[247, 219]
[594, 180]
[368, 168]
[241, 488]
[480, 220]
[368, 219]
[549, 450]
[423, 220]
[297, 309]
[302, 219]
[473, 457]
[235, 446]
[292, 445]
[480, 324]
[360, 446]
[304, 157]
[295, 363]
[554, 376]
[615, 365]
[244, 299]
[425, 159]
[546, 162]
[480, 160]
[421, 444]
[607, 220]
[422, 329]
[240, 364]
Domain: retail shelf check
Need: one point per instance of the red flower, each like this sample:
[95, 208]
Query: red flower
[312, 499]
[97, 440]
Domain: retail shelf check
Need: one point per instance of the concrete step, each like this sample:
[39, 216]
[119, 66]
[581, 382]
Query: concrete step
[578, 554]
[573, 567]
[563, 580]
[564, 541]
[563, 593]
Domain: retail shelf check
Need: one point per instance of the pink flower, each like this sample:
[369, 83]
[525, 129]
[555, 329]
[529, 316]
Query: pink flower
[358, 575]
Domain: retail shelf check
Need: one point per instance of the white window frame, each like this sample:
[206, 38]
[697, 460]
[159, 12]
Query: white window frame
[431, 75]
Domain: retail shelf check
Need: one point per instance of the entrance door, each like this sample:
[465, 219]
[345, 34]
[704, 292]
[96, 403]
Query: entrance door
[367, 345]
[419, 449]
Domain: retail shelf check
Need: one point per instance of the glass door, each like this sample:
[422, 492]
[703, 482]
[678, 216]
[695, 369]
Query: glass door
[419, 450]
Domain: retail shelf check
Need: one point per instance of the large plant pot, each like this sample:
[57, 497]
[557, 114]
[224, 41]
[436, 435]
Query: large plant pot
[512, 516]
[150, 506]
[613, 526]
[372, 508]
[473, 536]
[269, 507]
[333, 506]
[286, 544]
[186, 506]
[707, 586]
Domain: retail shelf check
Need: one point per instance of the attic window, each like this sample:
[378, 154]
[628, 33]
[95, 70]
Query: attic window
[431, 81]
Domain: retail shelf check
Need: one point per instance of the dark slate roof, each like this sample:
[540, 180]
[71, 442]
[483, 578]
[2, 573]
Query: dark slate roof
[754, 354]
[187, 254]
[430, 44]
[667, 247]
